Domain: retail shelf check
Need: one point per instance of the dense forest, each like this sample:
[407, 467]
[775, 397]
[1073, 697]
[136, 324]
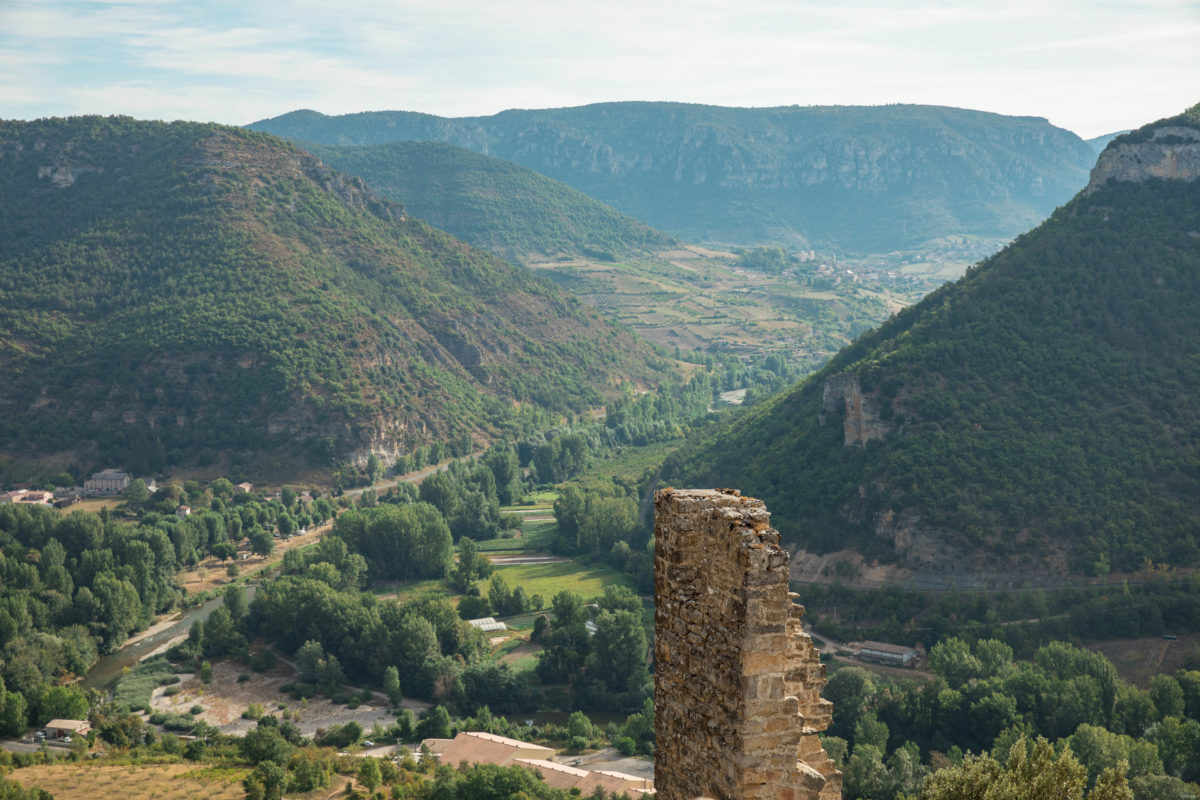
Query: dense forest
[890, 736]
[214, 290]
[1042, 410]
[492, 203]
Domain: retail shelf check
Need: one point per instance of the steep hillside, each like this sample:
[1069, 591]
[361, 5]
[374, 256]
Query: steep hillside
[1037, 415]
[213, 289]
[859, 178]
[492, 203]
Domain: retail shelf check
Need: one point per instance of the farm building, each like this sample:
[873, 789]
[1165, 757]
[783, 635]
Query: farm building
[487, 624]
[62, 728]
[884, 653]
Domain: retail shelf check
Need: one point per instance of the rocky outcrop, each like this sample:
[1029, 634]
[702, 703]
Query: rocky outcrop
[1171, 152]
[62, 176]
[862, 413]
[737, 682]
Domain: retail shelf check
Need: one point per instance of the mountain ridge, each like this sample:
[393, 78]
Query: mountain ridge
[1036, 417]
[797, 175]
[215, 289]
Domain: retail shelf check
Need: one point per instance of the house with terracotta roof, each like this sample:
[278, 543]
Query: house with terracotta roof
[564, 777]
[615, 783]
[476, 747]
[557, 776]
[37, 497]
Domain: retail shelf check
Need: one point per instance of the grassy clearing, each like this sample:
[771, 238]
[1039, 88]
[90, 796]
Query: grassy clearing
[135, 782]
[94, 505]
[1139, 660]
[534, 536]
[631, 462]
[134, 687]
[586, 580]
[407, 591]
[545, 498]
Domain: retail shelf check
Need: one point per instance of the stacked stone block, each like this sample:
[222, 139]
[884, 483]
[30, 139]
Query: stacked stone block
[737, 682]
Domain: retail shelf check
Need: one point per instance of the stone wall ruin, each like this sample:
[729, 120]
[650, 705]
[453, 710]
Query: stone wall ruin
[737, 682]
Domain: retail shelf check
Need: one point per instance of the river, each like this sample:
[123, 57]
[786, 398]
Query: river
[106, 671]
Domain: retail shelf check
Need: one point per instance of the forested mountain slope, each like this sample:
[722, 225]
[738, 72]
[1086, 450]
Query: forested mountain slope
[1041, 413]
[492, 203]
[213, 289]
[858, 178]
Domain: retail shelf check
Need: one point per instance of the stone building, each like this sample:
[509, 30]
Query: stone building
[737, 682]
[107, 481]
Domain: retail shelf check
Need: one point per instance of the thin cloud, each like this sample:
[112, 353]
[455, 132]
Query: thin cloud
[1069, 60]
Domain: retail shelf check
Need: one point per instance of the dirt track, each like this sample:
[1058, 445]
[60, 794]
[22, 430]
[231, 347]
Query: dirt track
[225, 699]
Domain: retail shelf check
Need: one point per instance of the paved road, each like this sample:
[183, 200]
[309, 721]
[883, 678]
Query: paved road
[531, 558]
[27, 745]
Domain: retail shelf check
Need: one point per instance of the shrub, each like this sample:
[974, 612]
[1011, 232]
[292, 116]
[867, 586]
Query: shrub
[262, 660]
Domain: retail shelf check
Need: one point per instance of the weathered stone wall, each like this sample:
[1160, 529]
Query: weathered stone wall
[737, 682]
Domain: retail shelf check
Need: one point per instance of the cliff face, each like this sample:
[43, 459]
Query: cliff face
[862, 419]
[1172, 153]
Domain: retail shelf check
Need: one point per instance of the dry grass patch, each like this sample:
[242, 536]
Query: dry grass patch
[1139, 660]
[135, 781]
[210, 573]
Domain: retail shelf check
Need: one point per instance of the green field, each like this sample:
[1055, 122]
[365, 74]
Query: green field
[586, 580]
[630, 462]
[533, 537]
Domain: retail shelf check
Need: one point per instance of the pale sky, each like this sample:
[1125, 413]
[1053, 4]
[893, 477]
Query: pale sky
[1091, 66]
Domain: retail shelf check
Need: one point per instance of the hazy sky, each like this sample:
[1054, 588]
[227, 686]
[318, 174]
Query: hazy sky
[1092, 66]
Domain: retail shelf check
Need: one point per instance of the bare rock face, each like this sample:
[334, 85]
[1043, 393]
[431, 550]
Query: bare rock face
[1171, 153]
[737, 682]
[862, 420]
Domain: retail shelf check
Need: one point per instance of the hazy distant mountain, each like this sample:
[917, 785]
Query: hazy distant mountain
[492, 203]
[1039, 414]
[196, 289]
[861, 178]
[1100, 142]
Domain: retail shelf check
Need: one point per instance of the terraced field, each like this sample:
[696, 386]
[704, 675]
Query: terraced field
[697, 299]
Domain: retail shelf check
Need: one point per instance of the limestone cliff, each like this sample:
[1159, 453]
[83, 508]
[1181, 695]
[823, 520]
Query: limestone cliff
[1172, 152]
[863, 419]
